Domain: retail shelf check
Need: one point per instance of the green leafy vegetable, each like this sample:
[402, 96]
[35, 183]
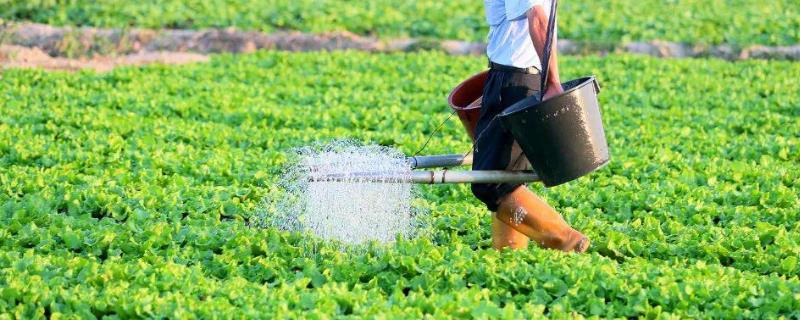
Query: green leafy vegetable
[127, 193]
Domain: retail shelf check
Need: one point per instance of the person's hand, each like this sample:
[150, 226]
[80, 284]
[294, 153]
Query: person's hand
[552, 90]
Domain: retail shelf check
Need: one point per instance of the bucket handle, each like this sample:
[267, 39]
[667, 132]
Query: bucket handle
[548, 44]
[596, 85]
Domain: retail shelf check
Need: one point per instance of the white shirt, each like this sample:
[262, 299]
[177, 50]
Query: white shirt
[509, 40]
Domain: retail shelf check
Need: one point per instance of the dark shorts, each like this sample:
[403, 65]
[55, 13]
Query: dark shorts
[495, 148]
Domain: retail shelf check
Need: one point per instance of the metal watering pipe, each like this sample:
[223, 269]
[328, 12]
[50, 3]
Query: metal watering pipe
[454, 160]
[443, 176]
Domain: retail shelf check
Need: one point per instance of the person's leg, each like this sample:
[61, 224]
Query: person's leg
[527, 213]
[493, 144]
[488, 152]
[504, 236]
[513, 204]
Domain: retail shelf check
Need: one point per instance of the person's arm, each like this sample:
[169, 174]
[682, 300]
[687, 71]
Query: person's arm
[537, 27]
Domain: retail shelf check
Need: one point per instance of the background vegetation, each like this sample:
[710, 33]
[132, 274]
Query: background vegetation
[734, 22]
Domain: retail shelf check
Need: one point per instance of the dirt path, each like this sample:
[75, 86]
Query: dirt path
[12, 56]
[66, 48]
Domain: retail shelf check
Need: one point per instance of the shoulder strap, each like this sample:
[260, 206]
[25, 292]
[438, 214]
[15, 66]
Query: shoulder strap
[551, 25]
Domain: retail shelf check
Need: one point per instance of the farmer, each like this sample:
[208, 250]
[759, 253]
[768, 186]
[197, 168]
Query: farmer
[517, 35]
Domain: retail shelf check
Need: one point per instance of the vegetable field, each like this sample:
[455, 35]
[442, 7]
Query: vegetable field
[129, 193]
[734, 22]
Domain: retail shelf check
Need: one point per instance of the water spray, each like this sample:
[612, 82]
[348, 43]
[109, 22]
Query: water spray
[347, 192]
[355, 193]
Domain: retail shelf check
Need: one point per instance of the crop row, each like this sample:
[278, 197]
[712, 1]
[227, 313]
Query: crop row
[79, 266]
[736, 22]
[129, 193]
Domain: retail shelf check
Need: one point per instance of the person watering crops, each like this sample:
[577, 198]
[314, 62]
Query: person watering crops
[517, 35]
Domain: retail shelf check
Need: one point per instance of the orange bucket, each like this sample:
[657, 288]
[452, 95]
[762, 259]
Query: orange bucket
[465, 100]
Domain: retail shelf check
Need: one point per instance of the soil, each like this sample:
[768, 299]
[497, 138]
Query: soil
[12, 56]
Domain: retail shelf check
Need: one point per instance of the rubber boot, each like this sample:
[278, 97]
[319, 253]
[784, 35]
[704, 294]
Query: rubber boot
[530, 215]
[504, 236]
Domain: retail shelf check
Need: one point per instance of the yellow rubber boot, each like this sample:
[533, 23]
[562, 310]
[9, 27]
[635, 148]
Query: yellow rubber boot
[504, 236]
[525, 212]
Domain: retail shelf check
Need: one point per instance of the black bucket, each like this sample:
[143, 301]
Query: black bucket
[563, 136]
